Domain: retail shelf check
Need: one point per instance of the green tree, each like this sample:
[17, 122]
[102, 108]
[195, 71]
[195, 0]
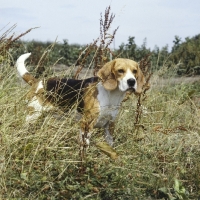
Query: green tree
[133, 51]
[176, 42]
[188, 54]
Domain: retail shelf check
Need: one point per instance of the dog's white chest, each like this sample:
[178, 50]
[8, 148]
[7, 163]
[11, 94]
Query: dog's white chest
[109, 102]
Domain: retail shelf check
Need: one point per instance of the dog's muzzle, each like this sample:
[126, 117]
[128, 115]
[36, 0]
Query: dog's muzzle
[131, 83]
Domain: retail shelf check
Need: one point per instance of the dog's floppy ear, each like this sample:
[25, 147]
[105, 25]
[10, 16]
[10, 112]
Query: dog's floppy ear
[140, 81]
[107, 76]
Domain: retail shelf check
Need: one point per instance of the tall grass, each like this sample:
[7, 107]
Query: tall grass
[159, 159]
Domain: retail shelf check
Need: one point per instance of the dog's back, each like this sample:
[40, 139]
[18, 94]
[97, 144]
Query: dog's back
[64, 92]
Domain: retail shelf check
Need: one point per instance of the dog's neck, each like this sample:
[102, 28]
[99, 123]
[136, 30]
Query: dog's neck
[109, 97]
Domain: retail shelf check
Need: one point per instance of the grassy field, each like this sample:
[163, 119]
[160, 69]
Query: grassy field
[160, 159]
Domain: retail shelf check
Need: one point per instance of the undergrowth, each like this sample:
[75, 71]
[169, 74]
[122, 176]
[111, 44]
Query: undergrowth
[42, 162]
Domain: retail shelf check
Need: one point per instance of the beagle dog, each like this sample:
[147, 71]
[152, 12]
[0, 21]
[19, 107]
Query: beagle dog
[97, 99]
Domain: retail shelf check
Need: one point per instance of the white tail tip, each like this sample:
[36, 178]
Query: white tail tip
[23, 57]
[20, 64]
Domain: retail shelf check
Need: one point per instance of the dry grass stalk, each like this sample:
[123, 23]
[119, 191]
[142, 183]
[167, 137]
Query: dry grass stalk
[83, 57]
[40, 68]
[101, 51]
[145, 66]
[104, 52]
[7, 42]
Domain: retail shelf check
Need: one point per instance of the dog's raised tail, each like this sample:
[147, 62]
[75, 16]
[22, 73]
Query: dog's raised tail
[23, 72]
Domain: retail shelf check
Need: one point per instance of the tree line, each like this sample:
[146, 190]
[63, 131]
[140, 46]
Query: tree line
[184, 57]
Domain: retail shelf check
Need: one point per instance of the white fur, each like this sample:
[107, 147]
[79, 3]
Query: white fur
[123, 85]
[34, 103]
[38, 108]
[20, 64]
[40, 86]
[109, 106]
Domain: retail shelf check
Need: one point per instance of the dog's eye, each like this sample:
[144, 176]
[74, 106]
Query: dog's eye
[135, 71]
[121, 71]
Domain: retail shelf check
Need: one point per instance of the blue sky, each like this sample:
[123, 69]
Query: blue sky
[78, 20]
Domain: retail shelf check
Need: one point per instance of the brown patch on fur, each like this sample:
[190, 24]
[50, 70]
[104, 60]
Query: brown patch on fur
[30, 79]
[32, 91]
[140, 81]
[30, 110]
[42, 98]
[107, 76]
[121, 67]
[91, 108]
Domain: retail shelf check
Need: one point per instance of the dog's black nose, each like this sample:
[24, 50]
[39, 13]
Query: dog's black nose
[131, 82]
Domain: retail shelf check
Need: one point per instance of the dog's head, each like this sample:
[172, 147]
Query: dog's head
[122, 73]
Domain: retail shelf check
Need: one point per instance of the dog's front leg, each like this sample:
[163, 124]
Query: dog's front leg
[109, 129]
